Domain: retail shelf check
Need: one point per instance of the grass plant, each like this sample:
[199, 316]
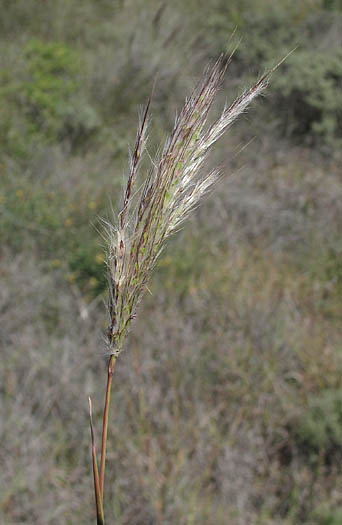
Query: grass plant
[224, 408]
[154, 208]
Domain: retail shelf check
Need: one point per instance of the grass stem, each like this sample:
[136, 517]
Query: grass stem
[111, 367]
[98, 496]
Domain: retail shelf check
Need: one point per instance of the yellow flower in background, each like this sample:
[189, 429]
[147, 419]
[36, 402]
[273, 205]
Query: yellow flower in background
[19, 194]
[99, 258]
[68, 222]
[166, 261]
[55, 263]
[92, 205]
[92, 282]
[72, 277]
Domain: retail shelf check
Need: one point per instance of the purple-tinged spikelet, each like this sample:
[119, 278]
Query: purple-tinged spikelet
[171, 189]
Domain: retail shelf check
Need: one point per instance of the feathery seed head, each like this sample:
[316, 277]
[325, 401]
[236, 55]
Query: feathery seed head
[170, 191]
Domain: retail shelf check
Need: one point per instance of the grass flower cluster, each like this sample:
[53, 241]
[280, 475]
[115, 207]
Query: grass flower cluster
[173, 187]
[155, 207]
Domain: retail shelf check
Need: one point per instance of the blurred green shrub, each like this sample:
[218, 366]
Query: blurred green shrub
[46, 91]
[319, 427]
[326, 516]
[309, 96]
[87, 269]
[306, 96]
[332, 4]
[45, 100]
[332, 265]
[34, 217]
[322, 266]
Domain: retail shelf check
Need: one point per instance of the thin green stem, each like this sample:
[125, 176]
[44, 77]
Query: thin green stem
[111, 367]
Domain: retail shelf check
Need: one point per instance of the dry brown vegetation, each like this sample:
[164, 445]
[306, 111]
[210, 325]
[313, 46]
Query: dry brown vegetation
[227, 404]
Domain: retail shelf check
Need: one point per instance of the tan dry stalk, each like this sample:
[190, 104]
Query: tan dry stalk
[98, 496]
[111, 367]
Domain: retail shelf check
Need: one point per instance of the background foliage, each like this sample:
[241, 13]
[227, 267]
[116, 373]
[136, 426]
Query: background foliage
[227, 405]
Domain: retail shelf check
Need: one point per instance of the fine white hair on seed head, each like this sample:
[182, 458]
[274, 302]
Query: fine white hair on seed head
[172, 187]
